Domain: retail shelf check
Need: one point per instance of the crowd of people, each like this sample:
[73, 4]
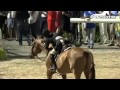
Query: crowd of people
[32, 23]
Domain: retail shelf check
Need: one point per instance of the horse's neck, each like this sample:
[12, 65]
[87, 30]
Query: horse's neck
[44, 50]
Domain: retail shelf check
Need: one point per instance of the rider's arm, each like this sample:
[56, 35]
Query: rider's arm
[46, 44]
[54, 36]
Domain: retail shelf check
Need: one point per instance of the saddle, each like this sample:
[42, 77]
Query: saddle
[65, 48]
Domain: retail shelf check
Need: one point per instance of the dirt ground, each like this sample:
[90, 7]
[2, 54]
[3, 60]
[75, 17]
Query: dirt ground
[107, 66]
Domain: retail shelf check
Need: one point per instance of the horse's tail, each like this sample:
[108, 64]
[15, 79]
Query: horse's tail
[90, 64]
[93, 67]
[93, 72]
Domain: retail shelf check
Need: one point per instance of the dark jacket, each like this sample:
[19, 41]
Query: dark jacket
[22, 15]
[76, 14]
[51, 39]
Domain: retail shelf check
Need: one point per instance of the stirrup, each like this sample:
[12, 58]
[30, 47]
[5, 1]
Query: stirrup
[52, 68]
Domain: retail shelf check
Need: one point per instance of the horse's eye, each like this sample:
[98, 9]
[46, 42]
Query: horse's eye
[43, 41]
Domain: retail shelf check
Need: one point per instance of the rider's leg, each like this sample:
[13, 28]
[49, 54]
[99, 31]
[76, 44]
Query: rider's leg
[52, 53]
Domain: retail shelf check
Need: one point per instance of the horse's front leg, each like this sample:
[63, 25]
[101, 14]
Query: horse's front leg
[49, 74]
[64, 76]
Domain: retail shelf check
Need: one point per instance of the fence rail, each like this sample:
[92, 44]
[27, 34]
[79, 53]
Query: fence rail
[86, 20]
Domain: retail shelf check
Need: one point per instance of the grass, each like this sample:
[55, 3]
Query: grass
[3, 55]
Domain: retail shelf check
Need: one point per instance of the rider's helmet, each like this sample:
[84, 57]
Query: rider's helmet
[46, 33]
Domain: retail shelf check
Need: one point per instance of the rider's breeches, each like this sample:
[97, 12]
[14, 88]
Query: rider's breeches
[57, 49]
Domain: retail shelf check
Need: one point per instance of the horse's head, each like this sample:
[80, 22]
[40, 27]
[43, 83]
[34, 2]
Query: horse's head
[37, 47]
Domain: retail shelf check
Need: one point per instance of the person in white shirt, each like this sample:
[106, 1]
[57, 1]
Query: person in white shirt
[84, 33]
[112, 29]
[104, 39]
[11, 24]
[32, 23]
[13, 14]
[43, 21]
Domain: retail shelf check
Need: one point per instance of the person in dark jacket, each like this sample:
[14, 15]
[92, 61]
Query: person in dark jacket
[73, 26]
[22, 25]
[3, 17]
[66, 21]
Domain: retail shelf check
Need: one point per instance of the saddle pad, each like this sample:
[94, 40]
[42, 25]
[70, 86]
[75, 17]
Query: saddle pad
[63, 51]
[67, 48]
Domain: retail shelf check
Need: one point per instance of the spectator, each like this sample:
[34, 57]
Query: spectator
[32, 23]
[22, 25]
[90, 28]
[58, 22]
[3, 17]
[112, 29]
[104, 39]
[117, 28]
[73, 26]
[84, 33]
[66, 23]
[51, 19]
[13, 14]
[43, 21]
[11, 23]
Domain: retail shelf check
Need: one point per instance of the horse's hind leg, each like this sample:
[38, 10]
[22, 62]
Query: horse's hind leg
[87, 74]
[92, 73]
[64, 76]
[77, 75]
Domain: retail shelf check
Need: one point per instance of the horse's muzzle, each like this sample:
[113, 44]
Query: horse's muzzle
[31, 56]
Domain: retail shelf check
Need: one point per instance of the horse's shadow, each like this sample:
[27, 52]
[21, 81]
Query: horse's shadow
[13, 55]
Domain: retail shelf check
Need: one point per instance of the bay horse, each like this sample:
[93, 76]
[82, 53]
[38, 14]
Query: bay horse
[75, 60]
[38, 47]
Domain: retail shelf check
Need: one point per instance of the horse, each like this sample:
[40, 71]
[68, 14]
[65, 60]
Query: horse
[74, 60]
[38, 47]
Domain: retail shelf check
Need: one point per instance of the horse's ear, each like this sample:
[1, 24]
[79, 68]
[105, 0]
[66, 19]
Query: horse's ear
[34, 39]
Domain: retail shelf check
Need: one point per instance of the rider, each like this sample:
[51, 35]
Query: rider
[57, 41]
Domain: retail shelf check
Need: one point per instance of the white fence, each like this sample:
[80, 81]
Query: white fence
[87, 20]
